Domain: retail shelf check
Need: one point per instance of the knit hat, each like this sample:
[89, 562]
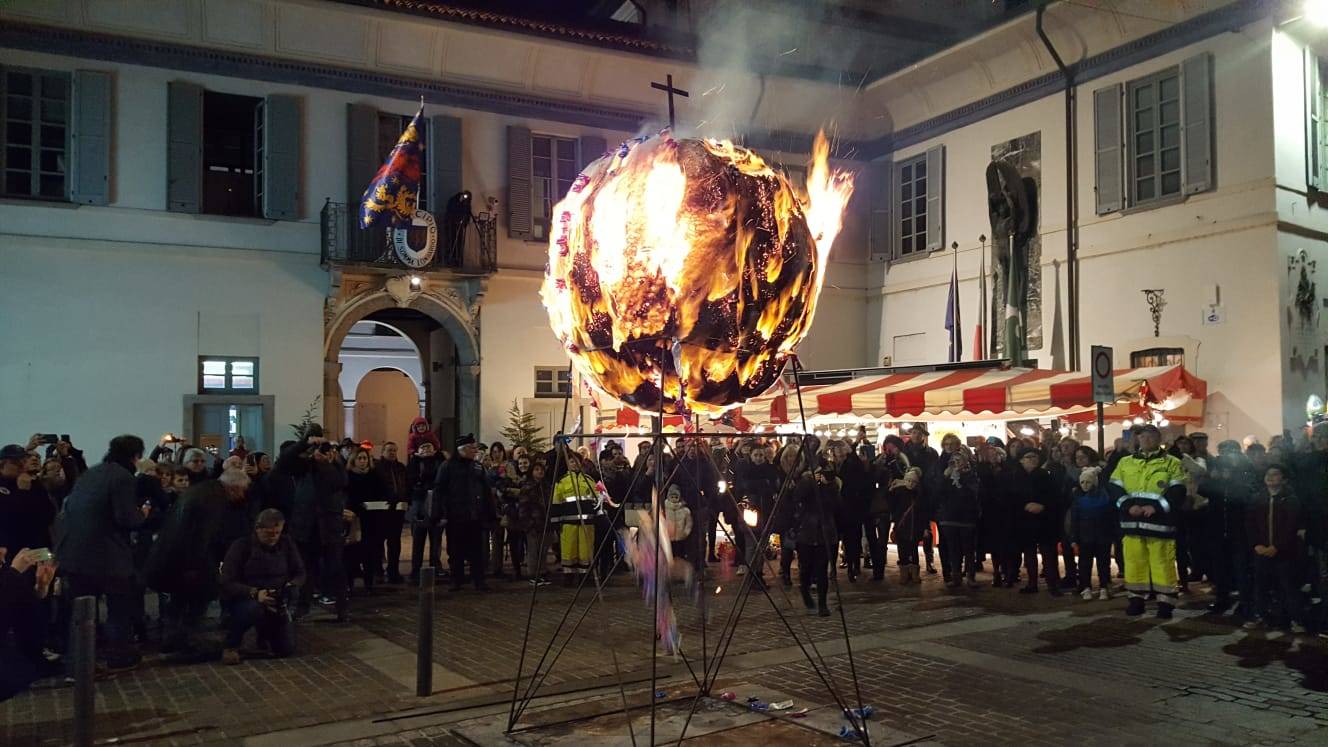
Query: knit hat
[673, 490]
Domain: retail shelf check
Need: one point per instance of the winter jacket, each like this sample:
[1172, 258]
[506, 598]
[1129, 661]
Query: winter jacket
[184, 558]
[759, 485]
[574, 499]
[249, 565]
[910, 524]
[678, 519]
[362, 488]
[531, 506]
[415, 438]
[236, 521]
[462, 492]
[1155, 480]
[997, 521]
[396, 482]
[1311, 483]
[699, 483]
[885, 471]
[25, 515]
[1274, 521]
[815, 510]
[855, 493]
[1093, 520]
[1024, 487]
[958, 500]
[99, 515]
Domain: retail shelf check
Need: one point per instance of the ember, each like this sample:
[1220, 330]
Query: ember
[691, 264]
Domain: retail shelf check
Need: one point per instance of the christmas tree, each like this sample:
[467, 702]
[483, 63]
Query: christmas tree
[521, 430]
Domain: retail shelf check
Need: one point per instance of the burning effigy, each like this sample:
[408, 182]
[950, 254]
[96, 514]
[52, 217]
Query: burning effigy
[683, 272]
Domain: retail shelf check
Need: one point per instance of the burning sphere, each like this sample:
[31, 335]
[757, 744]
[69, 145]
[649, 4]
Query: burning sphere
[688, 270]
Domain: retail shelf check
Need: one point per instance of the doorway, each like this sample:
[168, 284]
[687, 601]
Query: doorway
[216, 422]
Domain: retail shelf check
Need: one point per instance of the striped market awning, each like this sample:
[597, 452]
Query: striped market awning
[988, 394]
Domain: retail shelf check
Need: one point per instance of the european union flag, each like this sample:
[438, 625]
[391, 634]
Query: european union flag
[393, 193]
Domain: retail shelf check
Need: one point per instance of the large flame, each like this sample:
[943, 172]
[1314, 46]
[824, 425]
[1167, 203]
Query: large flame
[689, 267]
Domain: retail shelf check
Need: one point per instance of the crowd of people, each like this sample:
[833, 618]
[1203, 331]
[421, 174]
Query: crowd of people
[272, 539]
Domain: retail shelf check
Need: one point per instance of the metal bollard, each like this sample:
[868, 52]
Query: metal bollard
[424, 636]
[85, 655]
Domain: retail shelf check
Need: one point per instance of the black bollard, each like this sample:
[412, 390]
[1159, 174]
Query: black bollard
[84, 654]
[424, 636]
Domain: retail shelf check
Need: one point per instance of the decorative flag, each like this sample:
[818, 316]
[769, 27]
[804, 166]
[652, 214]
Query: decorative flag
[952, 323]
[393, 193]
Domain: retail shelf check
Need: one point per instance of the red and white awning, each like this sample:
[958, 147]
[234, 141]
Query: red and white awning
[987, 394]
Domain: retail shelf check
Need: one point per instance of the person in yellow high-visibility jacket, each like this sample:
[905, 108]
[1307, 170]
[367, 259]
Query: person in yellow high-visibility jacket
[575, 505]
[1151, 487]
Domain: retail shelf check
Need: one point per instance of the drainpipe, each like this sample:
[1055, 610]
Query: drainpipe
[1071, 193]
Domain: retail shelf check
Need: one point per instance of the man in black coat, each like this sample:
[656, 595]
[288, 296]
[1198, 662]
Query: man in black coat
[464, 500]
[925, 458]
[1036, 500]
[855, 496]
[698, 480]
[94, 551]
[26, 510]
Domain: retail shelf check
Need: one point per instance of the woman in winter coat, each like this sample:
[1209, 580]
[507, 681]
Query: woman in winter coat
[910, 523]
[532, 510]
[817, 503]
[996, 522]
[1094, 529]
[958, 509]
[363, 486]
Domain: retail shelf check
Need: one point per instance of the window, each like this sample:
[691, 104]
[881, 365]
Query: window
[221, 375]
[230, 154]
[1154, 132]
[1153, 137]
[553, 381]
[553, 169]
[912, 206]
[390, 127]
[1316, 130]
[1157, 357]
[35, 108]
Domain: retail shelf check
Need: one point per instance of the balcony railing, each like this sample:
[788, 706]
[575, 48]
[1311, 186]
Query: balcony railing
[344, 242]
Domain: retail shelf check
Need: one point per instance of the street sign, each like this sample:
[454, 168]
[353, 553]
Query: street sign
[1104, 388]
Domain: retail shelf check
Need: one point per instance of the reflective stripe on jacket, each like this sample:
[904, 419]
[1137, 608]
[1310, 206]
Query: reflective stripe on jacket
[1156, 480]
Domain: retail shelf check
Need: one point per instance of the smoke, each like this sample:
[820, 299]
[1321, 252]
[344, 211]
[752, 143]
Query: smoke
[754, 58]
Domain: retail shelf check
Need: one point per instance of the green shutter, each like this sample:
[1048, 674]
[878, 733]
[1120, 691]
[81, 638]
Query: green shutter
[362, 157]
[1196, 107]
[936, 198]
[519, 221]
[1313, 122]
[280, 147]
[1108, 162]
[90, 138]
[444, 152]
[880, 234]
[184, 147]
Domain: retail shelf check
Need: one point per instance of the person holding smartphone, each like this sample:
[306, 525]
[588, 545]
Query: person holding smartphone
[25, 581]
[26, 511]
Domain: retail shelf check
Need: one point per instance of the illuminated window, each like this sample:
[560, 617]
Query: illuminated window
[224, 375]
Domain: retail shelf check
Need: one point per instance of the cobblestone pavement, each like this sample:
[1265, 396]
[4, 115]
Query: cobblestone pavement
[984, 666]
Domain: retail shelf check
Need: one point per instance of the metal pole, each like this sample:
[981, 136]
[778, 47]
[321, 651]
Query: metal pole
[424, 636]
[85, 653]
[1101, 433]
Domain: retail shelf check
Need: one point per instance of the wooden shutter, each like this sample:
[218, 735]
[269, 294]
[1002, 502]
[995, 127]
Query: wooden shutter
[936, 198]
[1108, 161]
[444, 160]
[1314, 136]
[592, 147]
[90, 139]
[280, 170]
[1196, 107]
[518, 182]
[362, 156]
[880, 232]
[184, 147]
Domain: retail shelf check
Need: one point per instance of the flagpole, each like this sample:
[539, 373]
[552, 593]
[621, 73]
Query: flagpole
[956, 329]
[982, 300]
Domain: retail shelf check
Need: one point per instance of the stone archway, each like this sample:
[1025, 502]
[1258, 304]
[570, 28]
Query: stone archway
[454, 306]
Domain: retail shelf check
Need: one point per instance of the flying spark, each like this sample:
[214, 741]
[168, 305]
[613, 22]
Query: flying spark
[786, 54]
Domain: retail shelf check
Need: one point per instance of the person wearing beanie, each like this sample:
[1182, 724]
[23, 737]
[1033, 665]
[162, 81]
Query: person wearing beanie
[1150, 488]
[420, 434]
[1093, 529]
[96, 558]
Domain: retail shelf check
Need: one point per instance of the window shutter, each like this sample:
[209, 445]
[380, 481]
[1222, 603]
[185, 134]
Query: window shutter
[1108, 162]
[444, 151]
[90, 144]
[592, 147]
[1313, 121]
[1196, 107]
[518, 182]
[880, 175]
[936, 198]
[362, 157]
[184, 147]
[280, 170]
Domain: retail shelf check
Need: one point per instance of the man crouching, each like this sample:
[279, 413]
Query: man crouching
[257, 577]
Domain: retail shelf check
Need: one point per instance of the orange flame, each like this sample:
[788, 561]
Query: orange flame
[688, 270]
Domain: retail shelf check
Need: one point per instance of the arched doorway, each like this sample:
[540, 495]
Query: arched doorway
[439, 324]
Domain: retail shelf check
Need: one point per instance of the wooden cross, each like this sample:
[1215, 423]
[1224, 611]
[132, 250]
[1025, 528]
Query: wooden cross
[671, 91]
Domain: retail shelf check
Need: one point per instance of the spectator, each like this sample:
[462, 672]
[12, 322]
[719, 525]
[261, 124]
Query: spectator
[257, 577]
[1094, 530]
[957, 512]
[388, 522]
[855, 494]
[318, 518]
[71, 459]
[425, 522]
[816, 503]
[1036, 497]
[195, 461]
[536, 490]
[678, 520]
[509, 489]
[574, 506]
[364, 488]
[26, 510]
[1274, 527]
[1151, 488]
[24, 583]
[696, 476]
[94, 550]
[463, 498]
[239, 451]
[421, 434]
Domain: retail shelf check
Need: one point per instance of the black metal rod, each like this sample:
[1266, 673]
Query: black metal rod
[85, 654]
[424, 636]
